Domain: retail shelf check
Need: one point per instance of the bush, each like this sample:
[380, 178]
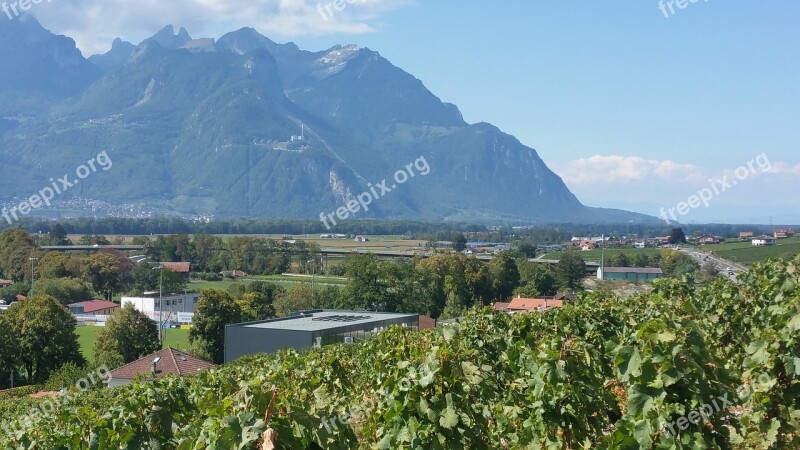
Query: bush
[208, 276]
[20, 392]
[65, 377]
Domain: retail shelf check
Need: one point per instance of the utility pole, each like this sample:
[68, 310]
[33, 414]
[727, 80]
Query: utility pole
[160, 268]
[33, 258]
[603, 258]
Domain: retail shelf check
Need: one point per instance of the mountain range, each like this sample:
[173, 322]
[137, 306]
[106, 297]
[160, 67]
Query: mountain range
[242, 126]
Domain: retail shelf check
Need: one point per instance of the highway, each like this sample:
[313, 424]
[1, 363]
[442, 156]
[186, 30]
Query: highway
[721, 264]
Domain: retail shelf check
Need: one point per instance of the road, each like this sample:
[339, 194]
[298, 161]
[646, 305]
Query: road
[721, 264]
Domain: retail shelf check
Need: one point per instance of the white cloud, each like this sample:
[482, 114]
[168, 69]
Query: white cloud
[784, 168]
[95, 23]
[646, 185]
[616, 169]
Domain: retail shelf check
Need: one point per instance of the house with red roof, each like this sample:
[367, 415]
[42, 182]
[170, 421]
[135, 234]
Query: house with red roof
[93, 307]
[523, 305]
[183, 268]
[159, 364]
[177, 267]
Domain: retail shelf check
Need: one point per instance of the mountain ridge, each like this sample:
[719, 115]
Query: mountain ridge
[246, 127]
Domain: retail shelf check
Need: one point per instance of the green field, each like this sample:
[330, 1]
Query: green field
[745, 253]
[285, 281]
[175, 338]
[595, 255]
[294, 279]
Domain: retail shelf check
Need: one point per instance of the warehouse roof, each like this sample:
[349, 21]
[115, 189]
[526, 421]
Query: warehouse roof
[654, 270]
[326, 319]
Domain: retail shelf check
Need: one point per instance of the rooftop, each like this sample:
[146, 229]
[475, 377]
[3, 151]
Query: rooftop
[91, 306]
[179, 267]
[172, 362]
[534, 304]
[324, 320]
[633, 270]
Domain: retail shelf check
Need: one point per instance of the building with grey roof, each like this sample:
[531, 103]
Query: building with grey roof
[309, 329]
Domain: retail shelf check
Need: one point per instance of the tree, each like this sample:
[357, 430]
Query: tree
[537, 279]
[503, 275]
[47, 338]
[65, 290]
[641, 260]
[459, 242]
[57, 265]
[527, 249]
[677, 236]
[9, 349]
[367, 288]
[205, 248]
[571, 269]
[146, 277]
[453, 307]
[410, 295]
[101, 270]
[677, 264]
[214, 310]
[709, 272]
[58, 235]
[256, 300]
[127, 336]
[298, 298]
[618, 260]
[16, 247]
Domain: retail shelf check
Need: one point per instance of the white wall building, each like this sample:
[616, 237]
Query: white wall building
[174, 304]
[761, 241]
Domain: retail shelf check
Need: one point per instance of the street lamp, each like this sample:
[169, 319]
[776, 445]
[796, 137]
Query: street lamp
[32, 259]
[160, 268]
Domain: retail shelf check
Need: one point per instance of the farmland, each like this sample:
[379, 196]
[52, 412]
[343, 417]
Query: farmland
[746, 253]
[595, 255]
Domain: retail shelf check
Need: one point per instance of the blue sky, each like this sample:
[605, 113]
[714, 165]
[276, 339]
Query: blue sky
[635, 110]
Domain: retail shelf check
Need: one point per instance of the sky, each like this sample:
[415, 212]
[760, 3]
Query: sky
[635, 105]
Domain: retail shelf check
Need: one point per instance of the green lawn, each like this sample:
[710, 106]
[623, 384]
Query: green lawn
[285, 281]
[175, 338]
[322, 279]
[595, 255]
[221, 285]
[745, 253]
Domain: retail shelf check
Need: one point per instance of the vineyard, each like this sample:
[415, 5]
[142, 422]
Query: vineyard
[683, 367]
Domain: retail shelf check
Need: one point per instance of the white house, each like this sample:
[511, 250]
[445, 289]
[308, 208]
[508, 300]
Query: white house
[761, 241]
[174, 304]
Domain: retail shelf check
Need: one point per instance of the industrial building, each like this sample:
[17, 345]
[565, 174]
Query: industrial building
[629, 273]
[309, 329]
[176, 306]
